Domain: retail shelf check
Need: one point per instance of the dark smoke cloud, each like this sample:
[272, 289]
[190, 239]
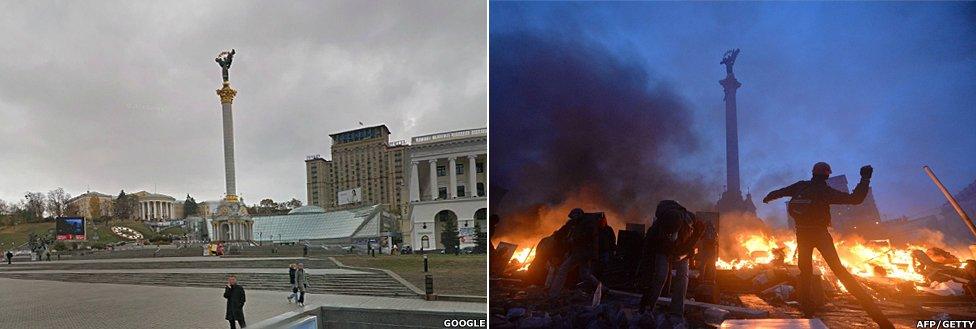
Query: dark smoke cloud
[570, 118]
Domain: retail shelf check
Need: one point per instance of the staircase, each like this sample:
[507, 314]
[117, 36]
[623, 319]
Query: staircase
[369, 284]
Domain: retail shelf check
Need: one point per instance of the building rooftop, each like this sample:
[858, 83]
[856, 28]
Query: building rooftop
[314, 223]
[90, 194]
[307, 210]
[445, 136]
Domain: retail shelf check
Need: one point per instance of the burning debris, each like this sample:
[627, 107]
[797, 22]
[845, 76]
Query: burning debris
[748, 261]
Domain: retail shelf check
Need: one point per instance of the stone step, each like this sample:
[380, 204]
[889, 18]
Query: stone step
[372, 284]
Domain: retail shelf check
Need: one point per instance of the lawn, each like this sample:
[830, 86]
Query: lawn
[17, 235]
[453, 275]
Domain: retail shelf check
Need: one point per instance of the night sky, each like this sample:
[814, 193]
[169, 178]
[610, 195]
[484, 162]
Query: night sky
[886, 84]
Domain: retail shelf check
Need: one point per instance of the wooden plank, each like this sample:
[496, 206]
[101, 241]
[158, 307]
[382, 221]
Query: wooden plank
[774, 324]
[735, 311]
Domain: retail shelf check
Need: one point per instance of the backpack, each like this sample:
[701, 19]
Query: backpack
[800, 207]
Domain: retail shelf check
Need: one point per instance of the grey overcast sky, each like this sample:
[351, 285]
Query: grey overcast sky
[114, 95]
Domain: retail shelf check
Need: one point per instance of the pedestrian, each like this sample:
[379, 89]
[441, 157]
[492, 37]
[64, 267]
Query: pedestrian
[10, 256]
[291, 276]
[668, 245]
[301, 280]
[48, 253]
[369, 249]
[234, 294]
[305, 250]
[809, 207]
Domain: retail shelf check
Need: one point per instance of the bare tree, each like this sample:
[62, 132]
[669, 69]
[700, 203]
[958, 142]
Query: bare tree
[57, 202]
[34, 204]
[4, 208]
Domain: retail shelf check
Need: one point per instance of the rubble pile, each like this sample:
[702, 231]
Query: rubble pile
[927, 283]
[515, 305]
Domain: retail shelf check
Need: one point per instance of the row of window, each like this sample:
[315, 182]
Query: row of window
[459, 168]
[442, 191]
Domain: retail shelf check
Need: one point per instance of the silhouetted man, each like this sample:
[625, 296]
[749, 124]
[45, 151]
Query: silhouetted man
[668, 245]
[809, 207]
[608, 244]
[234, 294]
[581, 235]
[10, 256]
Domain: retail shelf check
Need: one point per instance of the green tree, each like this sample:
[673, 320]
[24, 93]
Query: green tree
[480, 240]
[125, 206]
[190, 207]
[449, 237]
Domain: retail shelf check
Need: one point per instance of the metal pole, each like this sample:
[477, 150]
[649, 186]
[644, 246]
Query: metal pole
[952, 200]
[425, 263]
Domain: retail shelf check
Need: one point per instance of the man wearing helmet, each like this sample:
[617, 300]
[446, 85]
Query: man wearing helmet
[809, 207]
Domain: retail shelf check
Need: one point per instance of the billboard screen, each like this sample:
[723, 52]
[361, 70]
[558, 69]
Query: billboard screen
[70, 228]
[350, 196]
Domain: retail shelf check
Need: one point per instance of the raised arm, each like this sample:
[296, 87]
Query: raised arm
[860, 191]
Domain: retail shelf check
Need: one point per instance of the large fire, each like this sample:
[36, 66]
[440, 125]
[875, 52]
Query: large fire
[523, 258]
[744, 242]
[873, 258]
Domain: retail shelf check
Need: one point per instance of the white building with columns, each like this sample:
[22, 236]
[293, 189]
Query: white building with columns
[153, 206]
[447, 181]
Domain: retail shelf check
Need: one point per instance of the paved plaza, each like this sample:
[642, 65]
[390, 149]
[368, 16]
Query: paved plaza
[49, 304]
[184, 292]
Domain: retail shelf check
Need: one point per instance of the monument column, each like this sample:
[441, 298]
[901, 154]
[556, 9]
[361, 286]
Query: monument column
[472, 175]
[452, 179]
[433, 178]
[414, 182]
[226, 99]
[730, 85]
[231, 210]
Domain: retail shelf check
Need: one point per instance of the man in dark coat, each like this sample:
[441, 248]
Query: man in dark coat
[10, 256]
[809, 207]
[291, 276]
[581, 235]
[608, 245]
[668, 245]
[234, 294]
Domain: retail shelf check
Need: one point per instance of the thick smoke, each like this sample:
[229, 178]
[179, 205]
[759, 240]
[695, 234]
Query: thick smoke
[574, 124]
